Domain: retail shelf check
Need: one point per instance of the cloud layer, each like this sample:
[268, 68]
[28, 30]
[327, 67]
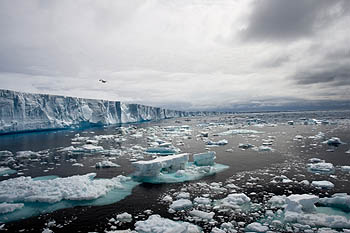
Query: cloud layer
[186, 54]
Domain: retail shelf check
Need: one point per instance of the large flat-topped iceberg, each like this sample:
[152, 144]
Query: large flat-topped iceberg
[29, 112]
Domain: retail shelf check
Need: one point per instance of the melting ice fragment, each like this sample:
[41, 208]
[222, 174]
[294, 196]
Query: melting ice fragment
[161, 150]
[218, 143]
[323, 184]
[47, 194]
[106, 164]
[320, 167]
[334, 141]
[239, 131]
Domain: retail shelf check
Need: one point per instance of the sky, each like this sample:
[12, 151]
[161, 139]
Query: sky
[224, 55]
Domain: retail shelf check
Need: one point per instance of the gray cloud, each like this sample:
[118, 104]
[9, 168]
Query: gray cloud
[336, 75]
[288, 20]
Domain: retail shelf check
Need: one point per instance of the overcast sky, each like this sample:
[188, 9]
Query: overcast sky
[181, 54]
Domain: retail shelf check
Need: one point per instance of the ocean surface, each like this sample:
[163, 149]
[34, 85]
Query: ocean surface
[283, 143]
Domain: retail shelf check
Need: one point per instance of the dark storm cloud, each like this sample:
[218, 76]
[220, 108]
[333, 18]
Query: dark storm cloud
[336, 75]
[289, 20]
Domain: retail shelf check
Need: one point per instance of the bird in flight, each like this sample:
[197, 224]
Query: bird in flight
[102, 81]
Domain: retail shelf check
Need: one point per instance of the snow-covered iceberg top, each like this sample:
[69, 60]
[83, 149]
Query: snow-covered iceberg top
[27, 196]
[29, 112]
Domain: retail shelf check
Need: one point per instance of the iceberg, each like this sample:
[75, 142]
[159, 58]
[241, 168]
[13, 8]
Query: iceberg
[47, 194]
[153, 168]
[23, 112]
[172, 169]
[204, 159]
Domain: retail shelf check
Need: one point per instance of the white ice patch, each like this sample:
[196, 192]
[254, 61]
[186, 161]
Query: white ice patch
[321, 167]
[181, 204]
[218, 143]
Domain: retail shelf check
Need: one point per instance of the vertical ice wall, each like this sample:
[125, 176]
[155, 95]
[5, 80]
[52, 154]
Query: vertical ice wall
[26, 112]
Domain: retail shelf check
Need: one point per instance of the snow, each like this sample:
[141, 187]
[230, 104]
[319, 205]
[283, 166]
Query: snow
[10, 207]
[323, 184]
[152, 168]
[181, 204]
[157, 224]
[106, 164]
[28, 112]
[204, 159]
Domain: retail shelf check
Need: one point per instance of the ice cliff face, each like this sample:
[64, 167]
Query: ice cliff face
[28, 112]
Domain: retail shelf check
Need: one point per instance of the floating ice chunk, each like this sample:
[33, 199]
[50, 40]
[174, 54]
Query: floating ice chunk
[263, 149]
[281, 179]
[67, 149]
[27, 154]
[157, 224]
[278, 201]
[316, 160]
[78, 165]
[183, 195]
[347, 152]
[235, 200]
[83, 187]
[202, 200]
[256, 227]
[89, 148]
[239, 131]
[154, 167]
[47, 230]
[345, 168]
[298, 137]
[245, 146]
[167, 198]
[5, 153]
[218, 143]
[10, 207]
[217, 230]
[124, 217]
[334, 141]
[161, 150]
[6, 171]
[320, 167]
[54, 193]
[181, 204]
[323, 184]
[301, 203]
[319, 136]
[338, 200]
[202, 214]
[204, 159]
[106, 164]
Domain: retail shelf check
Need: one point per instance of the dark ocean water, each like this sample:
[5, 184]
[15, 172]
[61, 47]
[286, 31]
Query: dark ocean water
[289, 157]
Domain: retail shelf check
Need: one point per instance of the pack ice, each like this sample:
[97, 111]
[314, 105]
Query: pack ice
[29, 112]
